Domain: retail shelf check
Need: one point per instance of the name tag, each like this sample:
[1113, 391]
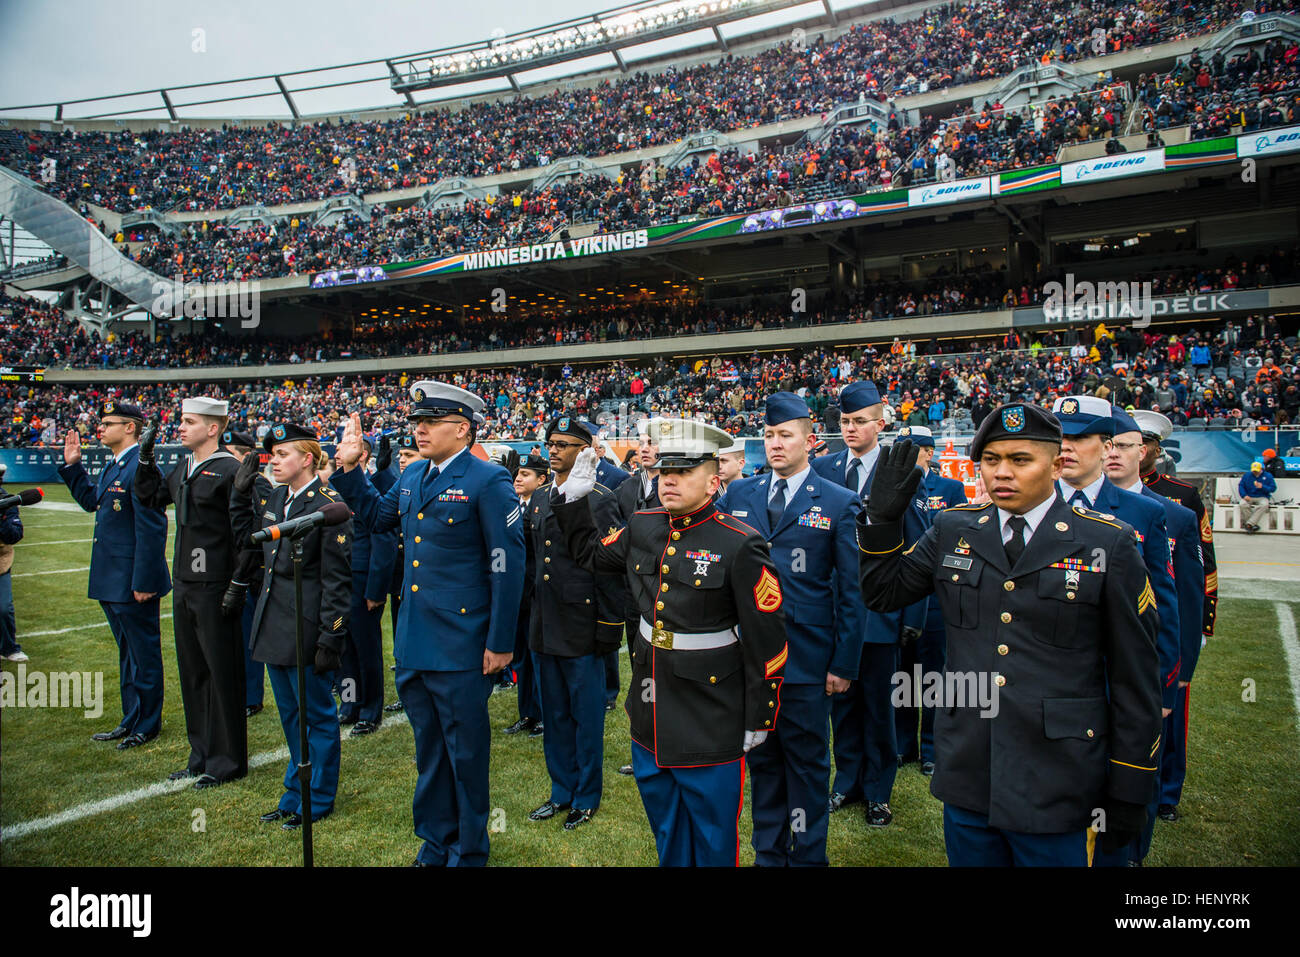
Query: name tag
[956, 561]
[738, 513]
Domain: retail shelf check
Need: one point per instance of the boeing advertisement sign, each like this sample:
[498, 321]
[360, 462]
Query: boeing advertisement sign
[1282, 140]
[933, 194]
[1110, 167]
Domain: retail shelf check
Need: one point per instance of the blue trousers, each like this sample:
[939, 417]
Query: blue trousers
[323, 745]
[254, 671]
[610, 664]
[929, 651]
[139, 662]
[1173, 759]
[865, 737]
[528, 680]
[8, 624]
[971, 842]
[694, 812]
[449, 716]
[573, 697]
[361, 679]
[789, 781]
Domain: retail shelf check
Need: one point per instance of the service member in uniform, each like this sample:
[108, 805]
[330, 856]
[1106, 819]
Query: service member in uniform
[361, 679]
[128, 568]
[241, 445]
[1173, 765]
[208, 595]
[464, 550]
[532, 474]
[407, 454]
[1123, 463]
[326, 602]
[927, 648]
[864, 733]
[731, 463]
[1054, 604]
[607, 474]
[709, 651]
[576, 621]
[810, 524]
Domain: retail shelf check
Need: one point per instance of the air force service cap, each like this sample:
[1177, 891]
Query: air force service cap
[784, 406]
[125, 409]
[1154, 425]
[686, 443]
[1083, 415]
[434, 400]
[1123, 422]
[858, 395]
[919, 434]
[1019, 420]
[287, 432]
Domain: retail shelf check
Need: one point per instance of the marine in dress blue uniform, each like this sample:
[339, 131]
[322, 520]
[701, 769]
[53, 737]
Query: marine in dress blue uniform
[361, 679]
[1053, 602]
[864, 734]
[464, 575]
[128, 557]
[926, 649]
[813, 543]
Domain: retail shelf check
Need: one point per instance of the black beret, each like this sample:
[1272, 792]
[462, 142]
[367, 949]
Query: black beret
[287, 432]
[1017, 420]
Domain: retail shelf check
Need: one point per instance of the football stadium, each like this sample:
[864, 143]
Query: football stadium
[603, 285]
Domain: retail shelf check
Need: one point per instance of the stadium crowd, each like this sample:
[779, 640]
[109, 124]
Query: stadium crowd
[948, 45]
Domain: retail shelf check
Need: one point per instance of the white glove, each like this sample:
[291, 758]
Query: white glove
[582, 478]
[754, 738]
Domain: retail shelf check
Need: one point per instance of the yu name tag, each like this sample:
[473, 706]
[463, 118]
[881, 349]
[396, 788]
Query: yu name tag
[956, 561]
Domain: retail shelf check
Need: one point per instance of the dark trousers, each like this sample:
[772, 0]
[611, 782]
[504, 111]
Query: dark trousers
[449, 717]
[361, 679]
[609, 664]
[573, 697]
[971, 842]
[254, 671]
[929, 652]
[8, 623]
[865, 738]
[1173, 761]
[789, 780]
[528, 680]
[139, 662]
[210, 659]
[323, 745]
[694, 812]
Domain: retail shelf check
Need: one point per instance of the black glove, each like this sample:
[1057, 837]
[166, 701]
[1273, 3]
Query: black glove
[895, 483]
[1124, 822]
[146, 445]
[385, 457]
[910, 634]
[247, 473]
[511, 461]
[327, 660]
[233, 600]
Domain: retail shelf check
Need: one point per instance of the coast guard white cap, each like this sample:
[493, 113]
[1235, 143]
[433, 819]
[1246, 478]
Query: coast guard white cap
[202, 405]
[433, 400]
[1083, 415]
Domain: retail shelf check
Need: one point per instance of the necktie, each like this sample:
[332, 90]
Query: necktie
[1078, 498]
[776, 504]
[430, 477]
[855, 474]
[1015, 545]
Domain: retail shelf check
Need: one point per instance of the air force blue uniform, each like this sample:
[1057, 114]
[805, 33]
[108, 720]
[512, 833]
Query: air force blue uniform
[464, 577]
[128, 554]
[814, 549]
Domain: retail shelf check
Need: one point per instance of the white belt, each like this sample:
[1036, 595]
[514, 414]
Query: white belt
[679, 641]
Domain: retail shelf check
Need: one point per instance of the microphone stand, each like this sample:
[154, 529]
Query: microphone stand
[304, 756]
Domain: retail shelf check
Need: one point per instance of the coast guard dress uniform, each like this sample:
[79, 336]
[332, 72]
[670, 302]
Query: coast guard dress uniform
[927, 650]
[864, 733]
[708, 655]
[128, 554]
[814, 548]
[326, 604]
[464, 575]
[209, 643]
[1070, 641]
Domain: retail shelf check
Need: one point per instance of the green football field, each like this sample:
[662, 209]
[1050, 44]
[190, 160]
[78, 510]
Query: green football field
[67, 800]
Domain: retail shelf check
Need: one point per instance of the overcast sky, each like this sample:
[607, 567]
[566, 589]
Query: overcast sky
[53, 50]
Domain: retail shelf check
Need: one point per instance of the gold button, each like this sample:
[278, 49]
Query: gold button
[1070, 595]
[713, 679]
[1009, 586]
[1003, 649]
[663, 587]
[546, 560]
[546, 578]
[415, 564]
[415, 588]
[956, 578]
[767, 723]
[697, 583]
[686, 521]
[419, 515]
[664, 569]
[1000, 681]
[462, 611]
[771, 704]
[773, 685]
[588, 601]
[417, 539]
[1006, 617]
[658, 624]
[1091, 733]
[548, 541]
[638, 568]
[676, 535]
[449, 521]
[659, 605]
[672, 550]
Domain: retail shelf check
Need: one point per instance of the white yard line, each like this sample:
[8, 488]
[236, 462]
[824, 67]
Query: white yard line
[56, 571]
[65, 541]
[1291, 648]
[103, 806]
[64, 631]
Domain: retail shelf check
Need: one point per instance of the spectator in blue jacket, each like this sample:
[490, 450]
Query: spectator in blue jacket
[1255, 488]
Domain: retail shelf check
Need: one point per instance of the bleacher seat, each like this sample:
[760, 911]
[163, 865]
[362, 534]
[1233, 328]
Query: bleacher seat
[1196, 425]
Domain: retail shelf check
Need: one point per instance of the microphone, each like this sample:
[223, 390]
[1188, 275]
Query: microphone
[28, 496]
[335, 513]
